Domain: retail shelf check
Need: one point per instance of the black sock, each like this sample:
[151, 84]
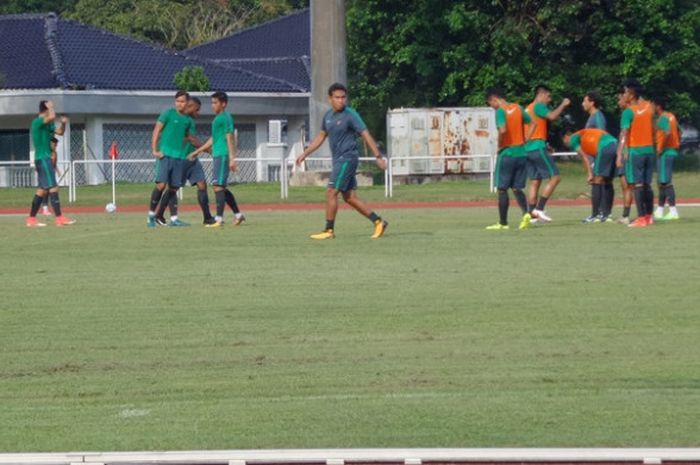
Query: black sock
[231, 201]
[164, 201]
[503, 207]
[608, 198]
[36, 204]
[55, 203]
[330, 224]
[155, 198]
[522, 201]
[45, 201]
[648, 199]
[671, 194]
[203, 199]
[542, 202]
[173, 203]
[531, 206]
[596, 195]
[220, 203]
[662, 195]
[626, 211]
[373, 217]
[640, 201]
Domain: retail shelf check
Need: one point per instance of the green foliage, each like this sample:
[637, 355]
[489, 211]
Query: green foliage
[192, 79]
[35, 6]
[447, 53]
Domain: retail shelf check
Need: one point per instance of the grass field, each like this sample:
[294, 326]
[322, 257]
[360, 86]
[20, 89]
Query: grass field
[441, 334]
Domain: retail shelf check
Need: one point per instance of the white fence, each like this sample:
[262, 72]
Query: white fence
[24, 175]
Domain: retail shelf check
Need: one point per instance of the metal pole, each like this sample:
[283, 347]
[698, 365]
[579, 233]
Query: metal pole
[114, 181]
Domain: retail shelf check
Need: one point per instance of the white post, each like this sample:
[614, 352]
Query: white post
[114, 181]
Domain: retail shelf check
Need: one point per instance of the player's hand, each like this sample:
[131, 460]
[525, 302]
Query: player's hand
[233, 166]
[300, 159]
[566, 102]
[590, 178]
[192, 156]
[64, 120]
[381, 163]
[158, 155]
[618, 161]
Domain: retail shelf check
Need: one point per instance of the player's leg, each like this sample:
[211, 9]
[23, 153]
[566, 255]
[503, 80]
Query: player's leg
[220, 173]
[605, 168]
[45, 206]
[518, 182]
[547, 169]
[503, 175]
[596, 197]
[351, 198]
[669, 190]
[203, 200]
[175, 181]
[161, 177]
[37, 200]
[238, 217]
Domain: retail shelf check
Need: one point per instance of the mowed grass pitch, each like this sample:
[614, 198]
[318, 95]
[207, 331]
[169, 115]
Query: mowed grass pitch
[441, 334]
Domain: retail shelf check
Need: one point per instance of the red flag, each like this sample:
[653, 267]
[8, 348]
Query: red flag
[113, 152]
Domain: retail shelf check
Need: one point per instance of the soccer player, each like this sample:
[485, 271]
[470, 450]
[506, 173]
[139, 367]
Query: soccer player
[54, 159]
[591, 104]
[637, 134]
[341, 125]
[222, 145]
[171, 129]
[540, 164]
[193, 172]
[510, 164]
[42, 131]
[597, 150]
[627, 196]
[668, 141]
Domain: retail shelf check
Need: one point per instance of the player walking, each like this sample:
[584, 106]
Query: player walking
[511, 161]
[540, 164]
[222, 145]
[42, 131]
[668, 141]
[341, 125]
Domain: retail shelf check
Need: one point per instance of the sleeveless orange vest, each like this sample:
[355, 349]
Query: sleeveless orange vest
[642, 129]
[674, 138]
[590, 138]
[541, 131]
[515, 134]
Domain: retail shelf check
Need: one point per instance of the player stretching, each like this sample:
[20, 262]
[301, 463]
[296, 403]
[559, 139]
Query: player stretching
[222, 148]
[668, 141]
[341, 125]
[192, 172]
[637, 134]
[510, 164]
[540, 164]
[591, 104]
[172, 127]
[42, 130]
[599, 146]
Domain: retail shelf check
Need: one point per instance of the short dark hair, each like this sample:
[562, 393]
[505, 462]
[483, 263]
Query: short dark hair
[659, 101]
[220, 96]
[54, 140]
[42, 106]
[495, 92]
[196, 100]
[594, 97]
[635, 86]
[336, 86]
[180, 93]
[542, 88]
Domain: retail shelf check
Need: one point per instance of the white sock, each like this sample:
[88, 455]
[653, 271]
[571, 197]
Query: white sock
[173, 218]
[238, 215]
[673, 210]
[218, 218]
[151, 213]
[659, 210]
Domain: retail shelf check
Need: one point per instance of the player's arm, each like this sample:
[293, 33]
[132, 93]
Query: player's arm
[372, 144]
[62, 128]
[205, 147]
[231, 145]
[315, 144]
[586, 163]
[155, 137]
[556, 113]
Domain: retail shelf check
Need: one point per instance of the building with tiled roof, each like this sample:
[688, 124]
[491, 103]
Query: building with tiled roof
[113, 87]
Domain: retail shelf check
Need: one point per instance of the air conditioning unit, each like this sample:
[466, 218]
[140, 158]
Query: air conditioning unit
[277, 131]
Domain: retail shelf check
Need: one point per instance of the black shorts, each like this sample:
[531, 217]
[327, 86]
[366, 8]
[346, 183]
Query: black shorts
[46, 173]
[510, 172]
[604, 164]
[343, 175]
[169, 170]
[220, 171]
[665, 168]
[193, 172]
[639, 168]
[540, 164]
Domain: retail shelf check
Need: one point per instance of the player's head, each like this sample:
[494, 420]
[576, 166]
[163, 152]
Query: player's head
[633, 89]
[495, 97]
[43, 106]
[337, 96]
[219, 100]
[659, 103]
[193, 106]
[181, 100]
[543, 93]
[592, 100]
[622, 98]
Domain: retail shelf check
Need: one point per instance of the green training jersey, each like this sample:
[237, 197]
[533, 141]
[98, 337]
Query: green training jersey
[41, 137]
[176, 127]
[222, 125]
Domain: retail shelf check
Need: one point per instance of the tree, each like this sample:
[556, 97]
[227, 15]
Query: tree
[440, 52]
[192, 79]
